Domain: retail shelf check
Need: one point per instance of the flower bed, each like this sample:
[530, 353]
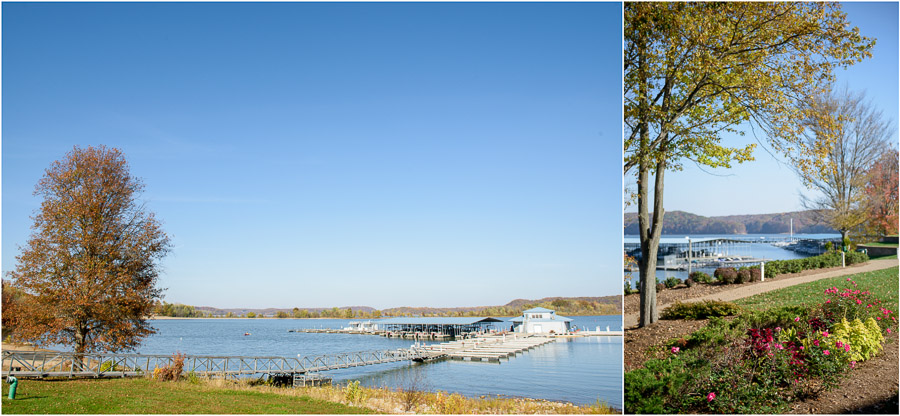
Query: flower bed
[761, 361]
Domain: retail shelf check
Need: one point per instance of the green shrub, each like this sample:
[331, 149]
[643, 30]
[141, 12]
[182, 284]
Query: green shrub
[193, 378]
[701, 277]
[700, 310]
[671, 282]
[726, 275]
[353, 393]
[689, 282]
[659, 387]
[855, 257]
[628, 289]
[829, 259]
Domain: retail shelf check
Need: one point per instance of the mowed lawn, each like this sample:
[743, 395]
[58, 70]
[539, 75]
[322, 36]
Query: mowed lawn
[883, 284]
[149, 396]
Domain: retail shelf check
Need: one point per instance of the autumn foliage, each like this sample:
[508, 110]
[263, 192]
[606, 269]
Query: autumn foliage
[882, 193]
[90, 266]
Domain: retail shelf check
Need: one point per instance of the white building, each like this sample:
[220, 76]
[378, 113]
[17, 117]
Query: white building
[540, 321]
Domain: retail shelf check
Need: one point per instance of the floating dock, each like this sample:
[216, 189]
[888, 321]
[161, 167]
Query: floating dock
[489, 348]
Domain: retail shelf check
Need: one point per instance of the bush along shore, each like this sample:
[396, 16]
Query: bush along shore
[170, 391]
[760, 361]
[748, 274]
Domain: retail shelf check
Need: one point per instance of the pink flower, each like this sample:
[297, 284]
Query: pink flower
[847, 347]
[827, 301]
[826, 352]
[889, 330]
[825, 334]
[816, 342]
[711, 396]
[839, 344]
[675, 350]
[797, 319]
[852, 364]
[858, 302]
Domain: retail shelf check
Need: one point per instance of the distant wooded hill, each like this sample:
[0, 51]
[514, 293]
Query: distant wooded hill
[680, 222]
[604, 305]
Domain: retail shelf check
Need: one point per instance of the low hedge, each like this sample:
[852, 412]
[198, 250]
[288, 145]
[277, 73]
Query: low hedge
[700, 310]
[829, 259]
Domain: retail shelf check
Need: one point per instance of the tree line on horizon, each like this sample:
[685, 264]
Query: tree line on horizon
[609, 305]
[681, 222]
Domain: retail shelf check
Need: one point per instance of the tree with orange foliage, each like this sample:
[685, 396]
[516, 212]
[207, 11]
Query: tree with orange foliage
[91, 264]
[882, 194]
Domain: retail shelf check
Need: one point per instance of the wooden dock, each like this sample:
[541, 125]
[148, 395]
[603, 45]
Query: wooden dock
[489, 348]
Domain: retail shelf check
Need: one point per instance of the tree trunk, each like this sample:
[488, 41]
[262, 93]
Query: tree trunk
[651, 231]
[80, 345]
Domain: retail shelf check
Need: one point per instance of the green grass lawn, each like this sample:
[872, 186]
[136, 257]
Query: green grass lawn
[880, 244]
[149, 396]
[882, 283]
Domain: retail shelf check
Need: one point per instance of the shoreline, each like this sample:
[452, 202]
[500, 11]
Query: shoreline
[383, 317]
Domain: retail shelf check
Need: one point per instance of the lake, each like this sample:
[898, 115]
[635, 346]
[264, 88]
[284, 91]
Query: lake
[579, 370]
[756, 250]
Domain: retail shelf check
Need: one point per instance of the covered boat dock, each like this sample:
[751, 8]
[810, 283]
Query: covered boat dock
[454, 327]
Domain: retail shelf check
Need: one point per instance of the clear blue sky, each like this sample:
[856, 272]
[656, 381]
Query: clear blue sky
[768, 185]
[318, 155]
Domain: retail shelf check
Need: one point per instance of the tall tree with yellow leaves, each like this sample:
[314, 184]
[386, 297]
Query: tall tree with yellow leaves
[693, 71]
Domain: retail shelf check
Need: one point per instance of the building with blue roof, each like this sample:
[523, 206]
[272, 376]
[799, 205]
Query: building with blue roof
[540, 321]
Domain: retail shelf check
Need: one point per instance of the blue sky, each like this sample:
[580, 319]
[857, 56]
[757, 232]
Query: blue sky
[318, 155]
[768, 185]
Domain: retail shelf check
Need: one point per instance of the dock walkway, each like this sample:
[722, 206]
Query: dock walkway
[488, 348]
[27, 364]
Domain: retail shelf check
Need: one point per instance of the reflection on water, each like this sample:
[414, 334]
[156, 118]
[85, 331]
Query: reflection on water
[579, 370]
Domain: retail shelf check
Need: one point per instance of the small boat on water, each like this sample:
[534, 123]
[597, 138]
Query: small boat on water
[246, 334]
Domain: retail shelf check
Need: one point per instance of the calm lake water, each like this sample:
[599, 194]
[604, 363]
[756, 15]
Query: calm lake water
[579, 370]
[756, 250]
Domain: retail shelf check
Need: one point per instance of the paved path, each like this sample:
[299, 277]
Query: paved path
[631, 319]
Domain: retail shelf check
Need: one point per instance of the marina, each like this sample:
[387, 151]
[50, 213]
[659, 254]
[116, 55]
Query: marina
[680, 255]
[99, 365]
[581, 368]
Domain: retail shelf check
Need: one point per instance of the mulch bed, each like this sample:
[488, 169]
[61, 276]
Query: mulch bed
[872, 388]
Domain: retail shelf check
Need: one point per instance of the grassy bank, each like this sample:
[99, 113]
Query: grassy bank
[143, 396]
[882, 283]
[106, 396]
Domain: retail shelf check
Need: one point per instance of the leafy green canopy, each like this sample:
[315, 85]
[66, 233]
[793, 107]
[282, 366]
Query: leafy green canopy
[694, 71]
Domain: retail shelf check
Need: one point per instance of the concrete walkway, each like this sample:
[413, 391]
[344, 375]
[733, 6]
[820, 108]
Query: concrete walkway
[631, 319]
